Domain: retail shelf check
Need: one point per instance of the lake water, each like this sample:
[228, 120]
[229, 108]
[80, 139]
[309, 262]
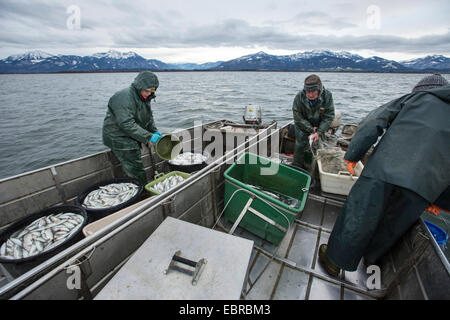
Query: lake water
[50, 118]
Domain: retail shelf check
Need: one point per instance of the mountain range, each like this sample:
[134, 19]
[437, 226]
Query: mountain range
[317, 60]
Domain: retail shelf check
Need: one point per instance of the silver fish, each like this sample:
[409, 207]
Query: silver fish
[18, 254]
[16, 241]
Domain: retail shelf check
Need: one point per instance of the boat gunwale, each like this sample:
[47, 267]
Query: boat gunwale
[49, 167]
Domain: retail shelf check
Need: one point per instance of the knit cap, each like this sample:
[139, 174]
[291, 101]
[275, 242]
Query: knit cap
[312, 83]
[313, 80]
[430, 82]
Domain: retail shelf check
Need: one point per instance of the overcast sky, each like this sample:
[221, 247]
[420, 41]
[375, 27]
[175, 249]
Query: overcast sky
[210, 30]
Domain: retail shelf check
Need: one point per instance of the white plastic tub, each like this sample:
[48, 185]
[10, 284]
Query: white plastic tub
[340, 183]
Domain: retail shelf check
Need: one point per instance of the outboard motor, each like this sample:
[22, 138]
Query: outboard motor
[252, 115]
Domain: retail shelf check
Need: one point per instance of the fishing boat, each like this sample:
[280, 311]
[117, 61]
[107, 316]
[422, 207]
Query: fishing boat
[415, 268]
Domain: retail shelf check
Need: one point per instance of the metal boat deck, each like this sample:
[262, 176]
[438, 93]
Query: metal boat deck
[294, 272]
[413, 269]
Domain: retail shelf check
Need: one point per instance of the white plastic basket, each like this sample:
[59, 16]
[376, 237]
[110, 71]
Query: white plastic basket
[340, 183]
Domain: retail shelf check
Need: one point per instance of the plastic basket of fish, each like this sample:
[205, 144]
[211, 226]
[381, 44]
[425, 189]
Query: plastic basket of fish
[32, 240]
[189, 162]
[272, 195]
[109, 196]
[166, 182]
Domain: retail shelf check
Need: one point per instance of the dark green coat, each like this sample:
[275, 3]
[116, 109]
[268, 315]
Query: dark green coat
[129, 119]
[414, 152]
[320, 116]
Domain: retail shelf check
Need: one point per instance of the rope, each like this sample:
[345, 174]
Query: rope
[87, 258]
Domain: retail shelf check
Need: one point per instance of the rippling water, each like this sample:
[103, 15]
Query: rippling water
[49, 118]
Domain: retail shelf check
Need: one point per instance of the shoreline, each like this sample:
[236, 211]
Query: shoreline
[246, 70]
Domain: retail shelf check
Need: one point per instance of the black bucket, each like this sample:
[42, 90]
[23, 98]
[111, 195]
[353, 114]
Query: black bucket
[17, 267]
[191, 167]
[96, 214]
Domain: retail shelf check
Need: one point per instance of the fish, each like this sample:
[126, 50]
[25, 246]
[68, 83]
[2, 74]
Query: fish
[41, 235]
[291, 202]
[188, 158]
[168, 183]
[110, 195]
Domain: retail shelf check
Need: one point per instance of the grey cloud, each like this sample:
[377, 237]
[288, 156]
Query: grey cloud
[239, 33]
[32, 25]
[309, 20]
[33, 14]
[383, 43]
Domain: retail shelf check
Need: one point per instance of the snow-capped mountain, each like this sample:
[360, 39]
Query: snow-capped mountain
[24, 61]
[257, 61]
[434, 62]
[317, 53]
[316, 60]
[112, 54]
[115, 60]
[32, 56]
[39, 61]
[194, 66]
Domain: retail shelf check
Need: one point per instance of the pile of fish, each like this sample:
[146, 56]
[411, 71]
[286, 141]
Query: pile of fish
[110, 195]
[291, 202]
[188, 158]
[168, 183]
[41, 235]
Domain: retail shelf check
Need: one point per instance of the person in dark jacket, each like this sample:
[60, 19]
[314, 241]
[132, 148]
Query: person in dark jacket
[408, 172]
[313, 110]
[129, 122]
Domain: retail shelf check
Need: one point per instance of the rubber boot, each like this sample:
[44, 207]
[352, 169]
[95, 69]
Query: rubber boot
[330, 268]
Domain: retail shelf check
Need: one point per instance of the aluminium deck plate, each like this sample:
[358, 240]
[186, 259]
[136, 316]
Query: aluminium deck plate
[222, 278]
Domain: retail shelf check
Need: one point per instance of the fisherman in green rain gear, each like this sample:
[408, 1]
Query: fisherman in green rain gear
[129, 122]
[408, 172]
[313, 110]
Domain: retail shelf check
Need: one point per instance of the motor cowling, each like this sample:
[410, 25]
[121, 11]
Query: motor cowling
[252, 115]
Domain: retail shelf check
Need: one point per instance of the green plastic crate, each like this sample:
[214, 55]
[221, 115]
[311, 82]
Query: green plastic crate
[247, 171]
[152, 191]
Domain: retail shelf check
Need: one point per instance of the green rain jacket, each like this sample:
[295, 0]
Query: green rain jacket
[129, 119]
[320, 116]
[414, 151]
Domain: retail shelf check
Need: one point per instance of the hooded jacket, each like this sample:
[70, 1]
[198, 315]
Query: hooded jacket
[321, 115]
[414, 151]
[129, 119]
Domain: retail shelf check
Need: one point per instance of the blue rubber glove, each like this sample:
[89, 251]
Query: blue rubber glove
[155, 137]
